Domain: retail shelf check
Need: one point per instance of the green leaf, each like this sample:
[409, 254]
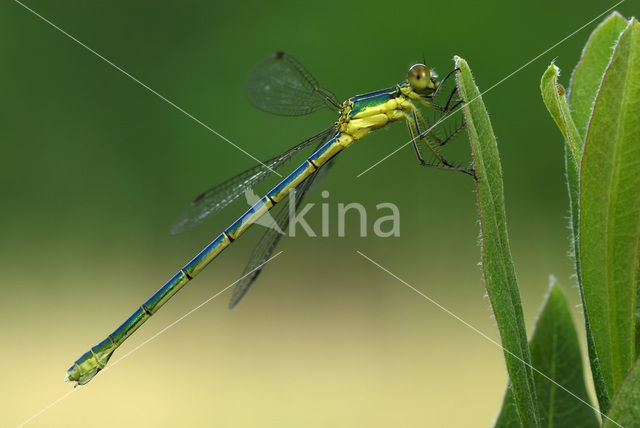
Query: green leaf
[499, 274]
[610, 211]
[555, 352]
[638, 312]
[555, 101]
[587, 75]
[585, 83]
[625, 408]
[508, 417]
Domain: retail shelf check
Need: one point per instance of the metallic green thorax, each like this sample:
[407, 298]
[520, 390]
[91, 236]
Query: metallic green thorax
[361, 102]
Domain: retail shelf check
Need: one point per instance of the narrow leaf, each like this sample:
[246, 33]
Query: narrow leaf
[555, 101]
[554, 98]
[638, 312]
[587, 75]
[555, 352]
[625, 408]
[508, 417]
[497, 265]
[610, 211]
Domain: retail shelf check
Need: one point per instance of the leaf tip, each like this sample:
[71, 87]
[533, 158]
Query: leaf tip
[553, 68]
[615, 15]
[460, 62]
[554, 291]
[550, 75]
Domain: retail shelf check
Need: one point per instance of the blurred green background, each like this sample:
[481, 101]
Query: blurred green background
[94, 169]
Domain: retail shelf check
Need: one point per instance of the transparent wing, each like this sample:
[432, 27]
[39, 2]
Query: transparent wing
[281, 85]
[267, 244]
[441, 135]
[212, 201]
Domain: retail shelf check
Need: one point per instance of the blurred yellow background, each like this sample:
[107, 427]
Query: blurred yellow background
[94, 169]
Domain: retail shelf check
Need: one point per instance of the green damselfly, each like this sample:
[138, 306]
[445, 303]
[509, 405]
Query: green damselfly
[281, 85]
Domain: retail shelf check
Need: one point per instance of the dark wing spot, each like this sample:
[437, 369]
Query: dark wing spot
[198, 198]
[278, 55]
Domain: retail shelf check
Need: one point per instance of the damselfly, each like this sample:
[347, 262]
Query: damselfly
[282, 86]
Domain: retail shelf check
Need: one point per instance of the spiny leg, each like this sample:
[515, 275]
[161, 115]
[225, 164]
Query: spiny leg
[441, 84]
[437, 139]
[446, 108]
[414, 137]
[437, 91]
[449, 74]
[413, 121]
[453, 134]
[453, 92]
[414, 128]
[414, 131]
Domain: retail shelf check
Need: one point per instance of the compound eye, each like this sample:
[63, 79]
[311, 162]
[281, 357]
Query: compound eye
[419, 77]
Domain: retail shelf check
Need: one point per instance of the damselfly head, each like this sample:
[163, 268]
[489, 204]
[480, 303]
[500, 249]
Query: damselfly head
[421, 79]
